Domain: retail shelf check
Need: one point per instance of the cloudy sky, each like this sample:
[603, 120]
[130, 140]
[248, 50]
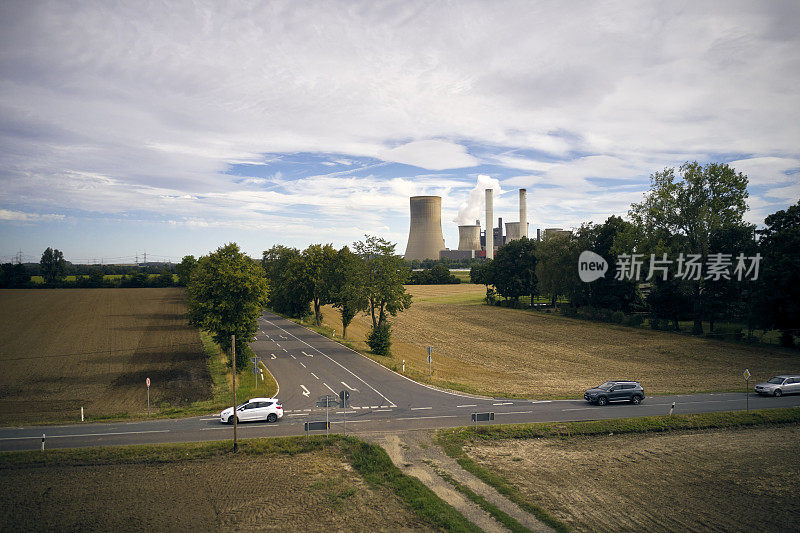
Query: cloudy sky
[172, 128]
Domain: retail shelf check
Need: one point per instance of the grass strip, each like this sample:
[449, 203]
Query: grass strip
[374, 464]
[454, 440]
[498, 514]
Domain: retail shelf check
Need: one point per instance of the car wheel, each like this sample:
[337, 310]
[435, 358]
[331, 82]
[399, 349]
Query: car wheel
[636, 400]
[602, 400]
[778, 393]
[272, 417]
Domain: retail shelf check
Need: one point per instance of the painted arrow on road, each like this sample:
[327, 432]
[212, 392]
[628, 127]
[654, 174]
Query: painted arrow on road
[306, 392]
[273, 356]
[307, 354]
[349, 387]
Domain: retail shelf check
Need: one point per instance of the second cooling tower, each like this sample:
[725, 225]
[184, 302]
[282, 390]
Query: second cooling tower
[469, 237]
[425, 238]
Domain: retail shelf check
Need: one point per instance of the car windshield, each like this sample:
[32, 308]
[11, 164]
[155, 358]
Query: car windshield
[607, 385]
[776, 380]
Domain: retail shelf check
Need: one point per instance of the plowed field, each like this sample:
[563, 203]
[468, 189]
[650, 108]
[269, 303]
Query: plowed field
[715, 480]
[63, 349]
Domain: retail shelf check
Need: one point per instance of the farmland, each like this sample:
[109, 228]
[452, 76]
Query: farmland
[502, 351]
[66, 349]
[717, 479]
[280, 485]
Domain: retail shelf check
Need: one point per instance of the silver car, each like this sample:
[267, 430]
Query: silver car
[779, 385]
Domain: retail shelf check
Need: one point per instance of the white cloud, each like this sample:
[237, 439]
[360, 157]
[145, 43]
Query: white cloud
[19, 216]
[767, 170]
[430, 154]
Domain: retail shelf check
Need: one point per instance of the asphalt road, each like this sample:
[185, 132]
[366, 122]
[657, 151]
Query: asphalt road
[307, 366]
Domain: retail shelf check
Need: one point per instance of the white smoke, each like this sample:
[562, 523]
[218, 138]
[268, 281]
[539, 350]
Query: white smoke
[474, 208]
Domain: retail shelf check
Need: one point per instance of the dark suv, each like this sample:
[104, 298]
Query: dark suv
[615, 391]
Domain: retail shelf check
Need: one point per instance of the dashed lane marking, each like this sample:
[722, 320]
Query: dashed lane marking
[315, 376]
[468, 405]
[349, 387]
[420, 408]
[293, 357]
[504, 403]
[301, 364]
[380, 410]
[330, 389]
[89, 434]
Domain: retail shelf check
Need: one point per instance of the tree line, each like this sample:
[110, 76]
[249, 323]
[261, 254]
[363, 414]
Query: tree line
[686, 254]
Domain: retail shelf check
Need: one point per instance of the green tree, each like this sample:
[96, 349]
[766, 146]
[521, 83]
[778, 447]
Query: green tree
[289, 289]
[227, 293]
[556, 262]
[53, 265]
[318, 263]
[348, 286]
[185, 269]
[778, 303]
[514, 269]
[681, 214]
[384, 278]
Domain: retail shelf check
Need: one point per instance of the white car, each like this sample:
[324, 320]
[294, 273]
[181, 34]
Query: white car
[269, 409]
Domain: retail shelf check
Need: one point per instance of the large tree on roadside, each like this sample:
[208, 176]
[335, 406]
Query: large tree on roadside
[348, 289]
[681, 213]
[185, 269]
[317, 266]
[53, 265]
[384, 278]
[289, 289]
[227, 292]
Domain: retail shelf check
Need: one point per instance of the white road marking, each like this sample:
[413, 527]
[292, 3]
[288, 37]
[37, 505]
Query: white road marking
[293, 357]
[278, 345]
[298, 414]
[307, 354]
[468, 405]
[307, 410]
[391, 403]
[423, 417]
[272, 356]
[420, 408]
[306, 392]
[348, 386]
[330, 389]
[89, 434]
[301, 364]
[541, 401]
[504, 403]
[379, 410]
[207, 419]
[285, 350]
[315, 376]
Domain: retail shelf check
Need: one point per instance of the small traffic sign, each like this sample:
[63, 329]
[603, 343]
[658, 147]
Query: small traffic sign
[147, 382]
[430, 349]
[429, 358]
[746, 374]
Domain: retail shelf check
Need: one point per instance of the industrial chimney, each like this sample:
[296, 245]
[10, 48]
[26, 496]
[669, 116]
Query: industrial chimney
[523, 213]
[489, 224]
[425, 234]
[469, 237]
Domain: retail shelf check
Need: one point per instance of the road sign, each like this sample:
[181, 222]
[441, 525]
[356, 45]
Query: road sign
[327, 401]
[316, 426]
[344, 396]
[482, 417]
[430, 349]
[746, 374]
[147, 382]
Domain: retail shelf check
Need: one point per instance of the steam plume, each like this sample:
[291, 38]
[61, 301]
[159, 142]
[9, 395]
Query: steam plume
[473, 208]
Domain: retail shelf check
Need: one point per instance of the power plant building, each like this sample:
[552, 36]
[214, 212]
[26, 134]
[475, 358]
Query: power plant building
[425, 238]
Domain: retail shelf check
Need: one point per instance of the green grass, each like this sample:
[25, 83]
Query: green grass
[369, 460]
[454, 440]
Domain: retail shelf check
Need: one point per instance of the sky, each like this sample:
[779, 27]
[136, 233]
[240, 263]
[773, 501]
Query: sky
[172, 128]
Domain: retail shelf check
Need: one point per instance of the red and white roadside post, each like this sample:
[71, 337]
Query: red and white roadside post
[147, 382]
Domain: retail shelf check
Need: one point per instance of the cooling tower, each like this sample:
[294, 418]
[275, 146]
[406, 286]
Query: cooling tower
[469, 237]
[523, 213]
[425, 234]
[489, 224]
[512, 231]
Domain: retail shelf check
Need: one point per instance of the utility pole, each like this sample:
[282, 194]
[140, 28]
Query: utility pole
[235, 416]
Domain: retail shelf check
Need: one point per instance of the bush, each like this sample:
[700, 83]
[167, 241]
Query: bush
[379, 339]
[618, 317]
[569, 310]
[635, 320]
[655, 323]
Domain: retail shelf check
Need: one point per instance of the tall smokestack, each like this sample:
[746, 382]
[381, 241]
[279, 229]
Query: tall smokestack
[425, 239]
[523, 213]
[489, 224]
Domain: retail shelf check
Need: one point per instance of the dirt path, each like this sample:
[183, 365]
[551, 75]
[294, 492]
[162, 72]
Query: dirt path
[415, 454]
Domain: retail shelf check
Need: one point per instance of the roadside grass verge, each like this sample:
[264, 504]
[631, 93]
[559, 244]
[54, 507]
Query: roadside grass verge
[453, 440]
[369, 460]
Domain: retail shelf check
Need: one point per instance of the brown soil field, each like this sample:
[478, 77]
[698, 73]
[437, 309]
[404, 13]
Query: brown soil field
[63, 349]
[312, 491]
[500, 351]
[715, 480]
